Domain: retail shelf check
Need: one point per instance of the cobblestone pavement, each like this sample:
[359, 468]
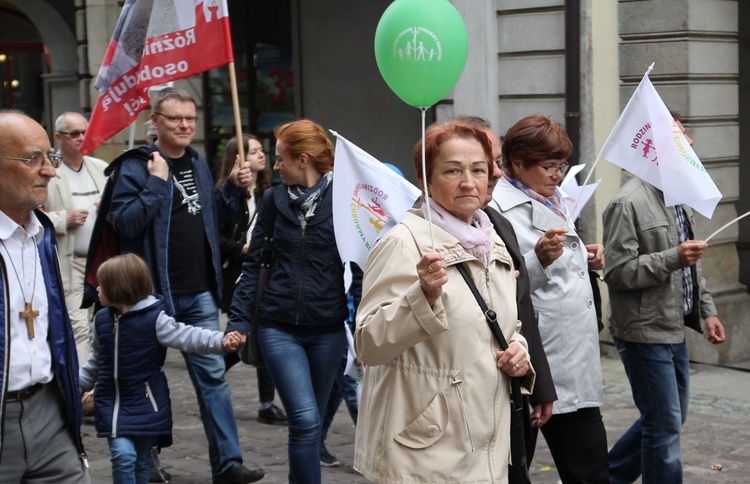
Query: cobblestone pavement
[716, 431]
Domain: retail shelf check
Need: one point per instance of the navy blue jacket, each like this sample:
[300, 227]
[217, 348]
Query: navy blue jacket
[60, 337]
[141, 212]
[305, 287]
[132, 396]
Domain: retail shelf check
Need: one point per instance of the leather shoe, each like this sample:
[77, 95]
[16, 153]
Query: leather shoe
[239, 474]
[272, 415]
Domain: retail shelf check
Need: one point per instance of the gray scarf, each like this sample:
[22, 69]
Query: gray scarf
[305, 201]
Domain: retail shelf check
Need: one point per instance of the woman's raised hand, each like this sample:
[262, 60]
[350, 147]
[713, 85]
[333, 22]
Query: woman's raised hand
[433, 275]
[550, 246]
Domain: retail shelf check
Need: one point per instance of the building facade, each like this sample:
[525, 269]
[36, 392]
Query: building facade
[576, 60]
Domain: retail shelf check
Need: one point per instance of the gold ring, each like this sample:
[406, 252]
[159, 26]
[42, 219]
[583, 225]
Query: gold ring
[518, 366]
[430, 269]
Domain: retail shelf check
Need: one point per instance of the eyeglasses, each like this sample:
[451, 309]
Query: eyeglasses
[552, 170]
[36, 160]
[73, 134]
[178, 119]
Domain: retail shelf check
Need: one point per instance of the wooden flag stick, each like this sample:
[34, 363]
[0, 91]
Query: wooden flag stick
[236, 109]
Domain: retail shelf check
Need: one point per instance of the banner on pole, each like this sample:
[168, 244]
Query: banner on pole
[155, 41]
[647, 142]
[368, 198]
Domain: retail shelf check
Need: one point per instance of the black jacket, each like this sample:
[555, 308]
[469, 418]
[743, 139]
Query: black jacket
[232, 236]
[305, 288]
[544, 388]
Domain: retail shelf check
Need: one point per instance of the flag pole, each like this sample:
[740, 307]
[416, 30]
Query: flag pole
[591, 171]
[726, 225]
[131, 135]
[236, 109]
[424, 181]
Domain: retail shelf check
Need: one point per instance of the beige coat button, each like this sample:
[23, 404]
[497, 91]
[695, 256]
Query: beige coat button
[433, 430]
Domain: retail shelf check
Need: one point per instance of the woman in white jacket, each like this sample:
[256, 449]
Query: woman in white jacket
[435, 402]
[535, 153]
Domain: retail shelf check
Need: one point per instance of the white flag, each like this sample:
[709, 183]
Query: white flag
[575, 196]
[368, 200]
[352, 369]
[646, 126]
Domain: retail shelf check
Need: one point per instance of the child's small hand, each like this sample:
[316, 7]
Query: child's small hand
[233, 340]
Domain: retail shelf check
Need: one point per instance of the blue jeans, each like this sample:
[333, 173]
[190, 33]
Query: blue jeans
[303, 367]
[659, 378]
[131, 459]
[213, 392]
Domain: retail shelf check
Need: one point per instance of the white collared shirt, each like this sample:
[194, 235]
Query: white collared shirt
[30, 359]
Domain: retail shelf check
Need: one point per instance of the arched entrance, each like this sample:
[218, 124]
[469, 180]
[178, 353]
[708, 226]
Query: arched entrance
[45, 57]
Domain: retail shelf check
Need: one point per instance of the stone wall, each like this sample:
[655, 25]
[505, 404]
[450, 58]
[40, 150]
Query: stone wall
[694, 47]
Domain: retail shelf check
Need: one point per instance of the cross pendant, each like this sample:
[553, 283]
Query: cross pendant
[29, 314]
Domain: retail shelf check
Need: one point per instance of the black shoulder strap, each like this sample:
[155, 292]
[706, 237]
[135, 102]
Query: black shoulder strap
[519, 472]
[489, 314]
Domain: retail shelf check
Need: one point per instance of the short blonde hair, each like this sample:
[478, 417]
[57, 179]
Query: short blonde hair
[125, 279]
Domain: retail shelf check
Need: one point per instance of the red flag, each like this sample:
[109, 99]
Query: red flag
[155, 41]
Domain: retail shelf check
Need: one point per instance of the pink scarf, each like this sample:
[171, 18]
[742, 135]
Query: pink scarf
[476, 237]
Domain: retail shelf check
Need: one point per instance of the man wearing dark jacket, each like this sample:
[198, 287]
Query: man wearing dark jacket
[164, 208]
[40, 407]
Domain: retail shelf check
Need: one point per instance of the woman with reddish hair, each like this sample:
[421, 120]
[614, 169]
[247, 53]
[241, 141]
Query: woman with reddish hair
[435, 403]
[302, 312]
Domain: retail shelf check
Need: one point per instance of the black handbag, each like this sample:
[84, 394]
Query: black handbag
[518, 471]
[250, 353]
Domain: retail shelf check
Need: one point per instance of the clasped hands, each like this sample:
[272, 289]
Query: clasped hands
[232, 341]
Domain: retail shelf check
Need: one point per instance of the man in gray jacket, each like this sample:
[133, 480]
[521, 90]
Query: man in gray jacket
[656, 289]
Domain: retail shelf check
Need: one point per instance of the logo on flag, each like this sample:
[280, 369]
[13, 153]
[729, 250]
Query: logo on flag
[367, 205]
[154, 42]
[368, 198]
[647, 142]
[643, 141]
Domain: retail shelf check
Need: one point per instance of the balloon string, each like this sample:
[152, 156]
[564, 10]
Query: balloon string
[424, 181]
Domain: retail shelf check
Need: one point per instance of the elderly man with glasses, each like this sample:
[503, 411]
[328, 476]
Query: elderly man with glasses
[73, 198]
[40, 413]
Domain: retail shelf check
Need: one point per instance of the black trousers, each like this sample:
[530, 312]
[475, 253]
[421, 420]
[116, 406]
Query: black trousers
[578, 443]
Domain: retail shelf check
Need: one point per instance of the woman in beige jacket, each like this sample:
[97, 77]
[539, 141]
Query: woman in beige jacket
[436, 394]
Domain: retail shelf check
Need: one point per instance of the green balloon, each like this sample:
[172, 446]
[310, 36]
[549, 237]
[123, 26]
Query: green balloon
[421, 48]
